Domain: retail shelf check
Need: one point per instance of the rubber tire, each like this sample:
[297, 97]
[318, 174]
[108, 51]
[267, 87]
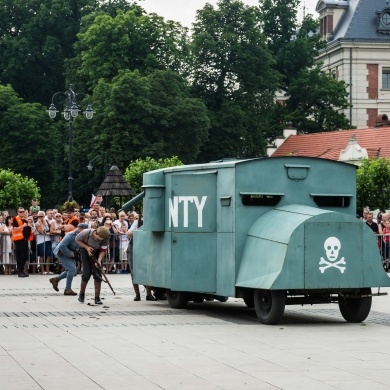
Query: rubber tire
[222, 298]
[356, 310]
[177, 299]
[269, 305]
[249, 300]
[198, 298]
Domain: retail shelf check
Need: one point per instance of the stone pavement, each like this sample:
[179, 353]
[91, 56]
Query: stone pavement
[49, 341]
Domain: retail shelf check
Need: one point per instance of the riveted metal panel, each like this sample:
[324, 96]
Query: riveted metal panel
[192, 213]
[152, 258]
[194, 262]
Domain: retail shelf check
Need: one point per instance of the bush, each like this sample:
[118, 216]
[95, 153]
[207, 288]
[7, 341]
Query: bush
[373, 184]
[135, 171]
[16, 190]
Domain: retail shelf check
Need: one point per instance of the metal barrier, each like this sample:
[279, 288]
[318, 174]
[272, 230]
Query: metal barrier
[7, 258]
[384, 249]
[114, 262]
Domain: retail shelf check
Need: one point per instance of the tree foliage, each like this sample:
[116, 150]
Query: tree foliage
[35, 39]
[373, 184]
[232, 72]
[137, 116]
[315, 100]
[151, 115]
[131, 40]
[135, 171]
[279, 22]
[156, 90]
[16, 190]
[29, 141]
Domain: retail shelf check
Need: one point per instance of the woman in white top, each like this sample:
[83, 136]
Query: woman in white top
[56, 227]
[5, 236]
[122, 226]
[42, 232]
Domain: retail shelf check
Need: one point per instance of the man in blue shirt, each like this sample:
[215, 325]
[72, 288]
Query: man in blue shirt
[65, 251]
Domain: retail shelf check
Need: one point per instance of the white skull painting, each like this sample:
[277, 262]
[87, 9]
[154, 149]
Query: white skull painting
[332, 247]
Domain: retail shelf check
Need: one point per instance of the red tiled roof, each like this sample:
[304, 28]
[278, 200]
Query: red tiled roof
[329, 145]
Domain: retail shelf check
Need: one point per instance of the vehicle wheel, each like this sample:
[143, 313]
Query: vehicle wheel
[221, 298]
[177, 299]
[198, 298]
[269, 305]
[249, 299]
[356, 309]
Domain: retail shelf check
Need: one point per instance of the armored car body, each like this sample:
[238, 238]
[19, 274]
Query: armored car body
[273, 231]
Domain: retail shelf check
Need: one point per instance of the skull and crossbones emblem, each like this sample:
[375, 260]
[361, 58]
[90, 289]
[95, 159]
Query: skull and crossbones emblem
[332, 246]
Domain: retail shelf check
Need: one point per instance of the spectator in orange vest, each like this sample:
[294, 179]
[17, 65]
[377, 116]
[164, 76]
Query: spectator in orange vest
[21, 234]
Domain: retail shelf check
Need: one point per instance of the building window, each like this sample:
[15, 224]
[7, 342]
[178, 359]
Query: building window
[386, 78]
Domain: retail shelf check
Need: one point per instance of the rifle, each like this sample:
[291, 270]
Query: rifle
[99, 271]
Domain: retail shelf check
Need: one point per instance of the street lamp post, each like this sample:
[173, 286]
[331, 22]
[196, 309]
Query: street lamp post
[68, 99]
[90, 166]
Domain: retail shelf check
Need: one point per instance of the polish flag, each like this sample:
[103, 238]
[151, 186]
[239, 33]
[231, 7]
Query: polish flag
[93, 201]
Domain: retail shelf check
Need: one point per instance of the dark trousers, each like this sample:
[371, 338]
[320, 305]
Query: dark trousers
[21, 253]
[88, 270]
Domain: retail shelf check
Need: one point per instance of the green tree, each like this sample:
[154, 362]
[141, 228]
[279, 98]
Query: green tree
[138, 116]
[35, 38]
[131, 40]
[16, 190]
[314, 99]
[279, 22]
[29, 142]
[233, 74]
[373, 184]
[135, 171]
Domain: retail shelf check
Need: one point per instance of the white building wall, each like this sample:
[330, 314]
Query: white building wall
[338, 56]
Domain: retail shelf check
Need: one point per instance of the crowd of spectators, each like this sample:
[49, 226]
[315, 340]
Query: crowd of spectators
[50, 226]
[381, 227]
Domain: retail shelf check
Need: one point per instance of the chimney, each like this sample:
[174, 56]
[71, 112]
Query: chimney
[289, 130]
[271, 149]
[382, 120]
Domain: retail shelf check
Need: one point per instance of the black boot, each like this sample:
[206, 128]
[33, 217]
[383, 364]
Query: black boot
[83, 286]
[149, 296]
[137, 293]
[159, 293]
[98, 285]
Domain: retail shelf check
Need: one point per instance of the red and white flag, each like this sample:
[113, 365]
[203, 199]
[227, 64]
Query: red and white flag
[93, 201]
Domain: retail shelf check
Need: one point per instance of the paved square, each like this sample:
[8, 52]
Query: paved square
[50, 341]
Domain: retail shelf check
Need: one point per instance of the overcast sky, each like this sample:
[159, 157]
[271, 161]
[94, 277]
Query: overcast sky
[184, 11]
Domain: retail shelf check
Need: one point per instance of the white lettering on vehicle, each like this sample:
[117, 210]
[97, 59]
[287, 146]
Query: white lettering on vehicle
[185, 200]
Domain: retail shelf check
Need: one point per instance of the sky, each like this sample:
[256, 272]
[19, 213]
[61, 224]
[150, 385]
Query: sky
[184, 11]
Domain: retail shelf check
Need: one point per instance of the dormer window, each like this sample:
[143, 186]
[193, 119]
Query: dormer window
[331, 12]
[384, 21]
[326, 26]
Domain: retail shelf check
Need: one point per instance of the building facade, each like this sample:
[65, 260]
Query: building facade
[358, 52]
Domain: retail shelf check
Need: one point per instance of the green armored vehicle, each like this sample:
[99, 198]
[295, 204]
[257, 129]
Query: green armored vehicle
[273, 231]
